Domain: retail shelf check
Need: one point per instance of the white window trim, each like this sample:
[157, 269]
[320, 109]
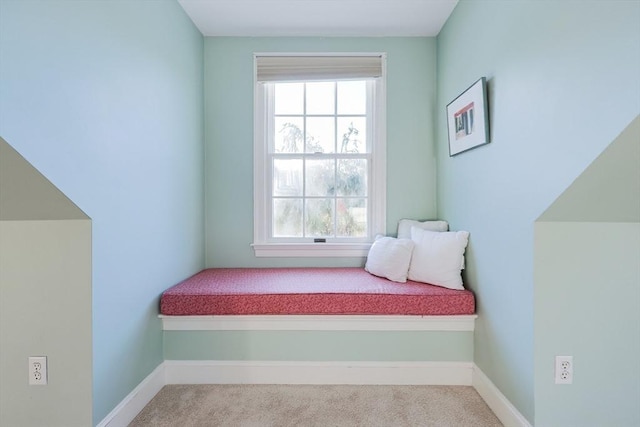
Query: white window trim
[261, 173]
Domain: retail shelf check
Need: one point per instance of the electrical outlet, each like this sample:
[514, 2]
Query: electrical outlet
[564, 369]
[38, 370]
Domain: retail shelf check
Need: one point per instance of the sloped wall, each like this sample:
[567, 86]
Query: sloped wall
[25, 194]
[587, 278]
[45, 299]
[609, 189]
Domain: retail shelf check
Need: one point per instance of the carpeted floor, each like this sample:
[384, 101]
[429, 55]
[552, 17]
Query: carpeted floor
[311, 405]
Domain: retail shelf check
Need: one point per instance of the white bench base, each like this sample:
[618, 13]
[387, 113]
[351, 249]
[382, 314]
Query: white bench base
[318, 323]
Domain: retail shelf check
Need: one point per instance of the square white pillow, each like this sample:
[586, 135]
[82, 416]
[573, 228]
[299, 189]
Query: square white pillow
[438, 257]
[390, 257]
[404, 227]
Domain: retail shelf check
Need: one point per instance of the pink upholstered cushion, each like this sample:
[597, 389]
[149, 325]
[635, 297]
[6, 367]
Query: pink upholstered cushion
[308, 291]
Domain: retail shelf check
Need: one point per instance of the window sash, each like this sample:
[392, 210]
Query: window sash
[314, 156]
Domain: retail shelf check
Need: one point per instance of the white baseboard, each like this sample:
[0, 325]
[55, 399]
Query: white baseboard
[135, 401]
[499, 404]
[256, 372]
[356, 373]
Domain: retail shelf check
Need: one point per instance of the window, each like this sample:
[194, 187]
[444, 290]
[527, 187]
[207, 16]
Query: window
[319, 155]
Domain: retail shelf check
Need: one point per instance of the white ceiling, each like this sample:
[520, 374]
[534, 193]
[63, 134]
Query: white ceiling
[271, 18]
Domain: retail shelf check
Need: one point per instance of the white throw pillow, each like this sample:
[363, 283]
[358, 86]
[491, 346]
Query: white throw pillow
[404, 227]
[390, 258]
[438, 257]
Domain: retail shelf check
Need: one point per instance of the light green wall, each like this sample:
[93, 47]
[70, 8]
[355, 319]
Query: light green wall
[564, 81]
[229, 137]
[229, 183]
[105, 99]
[587, 277]
[319, 345]
[45, 310]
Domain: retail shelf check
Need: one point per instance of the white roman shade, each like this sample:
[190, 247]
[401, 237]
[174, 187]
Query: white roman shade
[270, 68]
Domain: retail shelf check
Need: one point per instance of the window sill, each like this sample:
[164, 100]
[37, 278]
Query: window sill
[302, 250]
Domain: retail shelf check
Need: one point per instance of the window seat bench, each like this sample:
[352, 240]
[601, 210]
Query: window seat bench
[315, 326]
[267, 297]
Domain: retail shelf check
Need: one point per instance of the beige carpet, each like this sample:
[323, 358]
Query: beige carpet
[308, 405]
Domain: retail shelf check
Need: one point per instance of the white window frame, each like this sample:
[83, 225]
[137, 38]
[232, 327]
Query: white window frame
[263, 245]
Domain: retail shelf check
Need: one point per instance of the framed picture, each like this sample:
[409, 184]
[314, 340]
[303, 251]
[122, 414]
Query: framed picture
[468, 119]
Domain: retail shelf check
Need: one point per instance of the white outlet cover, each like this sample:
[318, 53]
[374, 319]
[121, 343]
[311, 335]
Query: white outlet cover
[38, 370]
[564, 370]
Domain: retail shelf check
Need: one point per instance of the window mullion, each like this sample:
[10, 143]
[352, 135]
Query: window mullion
[335, 159]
